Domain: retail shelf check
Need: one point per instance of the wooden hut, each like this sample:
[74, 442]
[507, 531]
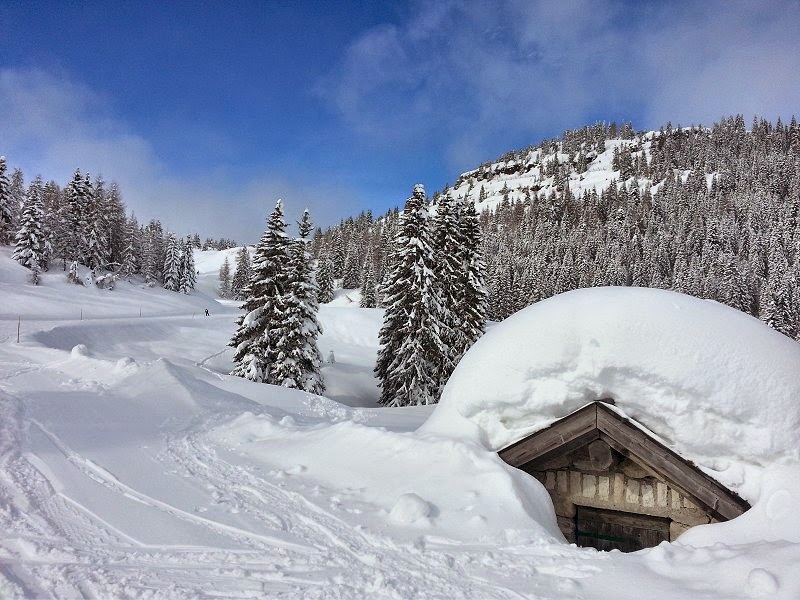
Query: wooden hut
[614, 485]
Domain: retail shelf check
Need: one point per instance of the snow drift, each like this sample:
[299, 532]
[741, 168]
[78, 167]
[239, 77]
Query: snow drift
[716, 385]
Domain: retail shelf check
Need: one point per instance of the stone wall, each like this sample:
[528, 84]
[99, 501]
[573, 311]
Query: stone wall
[599, 477]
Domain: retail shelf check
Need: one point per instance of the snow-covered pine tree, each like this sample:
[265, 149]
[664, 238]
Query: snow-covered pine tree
[53, 200]
[471, 302]
[6, 208]
[777, 292]
[225, 279]
[172, 264]
[411, 350]
[324, 279]
[351, 275]
[241, 278]
[117, 227]
[18, 197]
[448, 265]
[297, 363]
[96, 254]
[187, 272]
[73, 273]
[255, 354]
[153, 254]
[30, 240]
[132, 253]
[75, 228]
[388, 232]
[338, 254]
[369, 294]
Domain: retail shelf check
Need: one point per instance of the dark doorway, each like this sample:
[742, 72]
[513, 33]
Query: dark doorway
[609, 529]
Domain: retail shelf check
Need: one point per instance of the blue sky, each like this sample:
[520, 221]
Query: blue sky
[206, 112]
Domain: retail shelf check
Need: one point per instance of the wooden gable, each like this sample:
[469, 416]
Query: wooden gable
[599, 421]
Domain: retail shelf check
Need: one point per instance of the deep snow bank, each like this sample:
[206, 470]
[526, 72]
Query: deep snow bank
[716, 385]
[404, 482]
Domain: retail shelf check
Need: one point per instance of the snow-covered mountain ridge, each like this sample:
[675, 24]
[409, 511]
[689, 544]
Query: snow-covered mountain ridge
[553, 166]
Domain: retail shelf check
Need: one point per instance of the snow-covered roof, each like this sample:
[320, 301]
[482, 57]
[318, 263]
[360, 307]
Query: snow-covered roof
[714, 384]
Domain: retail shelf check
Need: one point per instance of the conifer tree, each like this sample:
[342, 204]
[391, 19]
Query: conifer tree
[30, 240]
[52, 198]
[253, 341]
[411, 350]
[338, 254]
[225, 279]
[95, 252]
[153, 254]
[75, 227]
[471, 302]
[776, 300]
[18, 197]
[187, 272]
[298, 360]
[131, 255]
[369, 296]
[6, 207]
[116, 226]
[351, 274]
[241, 278]
[324, 279]
[448, 264]
[172, 264]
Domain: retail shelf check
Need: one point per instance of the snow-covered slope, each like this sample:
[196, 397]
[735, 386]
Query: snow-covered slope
[132, 466]
[526, 174]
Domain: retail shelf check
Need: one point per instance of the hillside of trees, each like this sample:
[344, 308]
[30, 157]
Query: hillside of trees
[85, 222]
[708, 211]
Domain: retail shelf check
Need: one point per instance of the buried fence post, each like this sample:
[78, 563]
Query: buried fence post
[19, 320]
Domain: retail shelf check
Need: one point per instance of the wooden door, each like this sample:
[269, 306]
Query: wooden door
[609, 529]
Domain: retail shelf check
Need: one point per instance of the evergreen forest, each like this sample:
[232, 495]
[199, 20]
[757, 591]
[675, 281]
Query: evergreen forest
[707, 211]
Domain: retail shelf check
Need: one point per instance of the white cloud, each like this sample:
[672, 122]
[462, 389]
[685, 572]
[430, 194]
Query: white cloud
[469, 77]
[52, 124]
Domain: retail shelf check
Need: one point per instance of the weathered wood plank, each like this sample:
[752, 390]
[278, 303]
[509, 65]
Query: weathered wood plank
[564, 435]
[574, 443]
[625, 437]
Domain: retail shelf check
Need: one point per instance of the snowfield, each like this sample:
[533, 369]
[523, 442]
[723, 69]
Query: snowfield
[133, 466]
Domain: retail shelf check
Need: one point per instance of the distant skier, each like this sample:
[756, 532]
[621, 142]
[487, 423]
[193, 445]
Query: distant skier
[331, 358]
[207, 313]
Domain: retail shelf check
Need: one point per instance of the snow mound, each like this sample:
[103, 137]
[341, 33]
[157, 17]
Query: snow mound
[410, 508]
[761, 583]
[716, 385]
[401, 482]
[125, 365]
[79, 350]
